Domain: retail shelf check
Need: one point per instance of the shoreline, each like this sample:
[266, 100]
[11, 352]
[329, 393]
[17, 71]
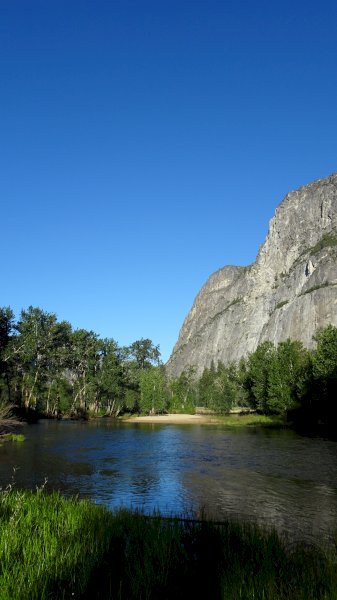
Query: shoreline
[234, 419]
[173, 419]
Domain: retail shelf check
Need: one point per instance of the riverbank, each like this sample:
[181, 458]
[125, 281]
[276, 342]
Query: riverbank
[232, 420]
[59, 548]
[11, 430]
[175, 419]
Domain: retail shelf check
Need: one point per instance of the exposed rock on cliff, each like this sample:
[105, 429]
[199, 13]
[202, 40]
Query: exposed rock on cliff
[288, 292]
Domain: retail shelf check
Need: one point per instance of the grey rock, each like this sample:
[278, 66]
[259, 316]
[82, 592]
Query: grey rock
[288, 292]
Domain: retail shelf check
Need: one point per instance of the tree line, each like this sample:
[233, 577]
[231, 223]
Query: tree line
[49, 368]
[287, 379]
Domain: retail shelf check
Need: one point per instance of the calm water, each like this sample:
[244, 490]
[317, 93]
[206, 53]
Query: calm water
[272, 477]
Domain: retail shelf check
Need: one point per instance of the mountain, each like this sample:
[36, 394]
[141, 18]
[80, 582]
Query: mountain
[288, 292]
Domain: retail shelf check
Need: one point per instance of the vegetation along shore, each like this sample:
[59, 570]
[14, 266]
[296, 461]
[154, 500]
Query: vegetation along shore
[52, 547]
[48, 369]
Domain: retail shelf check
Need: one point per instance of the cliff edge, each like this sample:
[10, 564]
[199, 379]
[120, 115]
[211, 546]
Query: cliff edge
[288, 292]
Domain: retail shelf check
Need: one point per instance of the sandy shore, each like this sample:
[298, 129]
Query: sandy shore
[175, 419]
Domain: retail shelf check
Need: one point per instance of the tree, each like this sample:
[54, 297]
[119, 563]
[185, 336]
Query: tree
[58, 395]
[6, 329]
[218, 388]
[144, 353]
[6, 326]
[84, 366]
[110, 379]
[31, 350]
[325, 374]
[225, 388]
[258, 369]
[153, 391]
[184, 391]
[206, 387]
[325, 355]
[288, 369]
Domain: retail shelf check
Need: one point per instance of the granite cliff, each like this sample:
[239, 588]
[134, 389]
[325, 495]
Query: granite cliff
[288, 292]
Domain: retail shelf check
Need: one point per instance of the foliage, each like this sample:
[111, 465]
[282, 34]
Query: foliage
[153, 391]
[287, 376]
[284, 380]
[14, 437]
[324, 368]
[238, 420]
[48, 368]
[144, 353]
[184, 392]
[325, 357]
[110, 379]
[259, 366]
[218, 388]
[276, 378]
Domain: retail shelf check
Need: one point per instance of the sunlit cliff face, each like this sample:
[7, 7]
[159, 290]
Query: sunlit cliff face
[289, 292]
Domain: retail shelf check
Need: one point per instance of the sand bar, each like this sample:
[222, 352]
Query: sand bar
[175, 419]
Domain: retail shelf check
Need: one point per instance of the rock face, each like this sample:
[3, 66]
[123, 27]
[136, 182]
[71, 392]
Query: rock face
[288, 292]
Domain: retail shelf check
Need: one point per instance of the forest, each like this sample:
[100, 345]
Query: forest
[48, 368]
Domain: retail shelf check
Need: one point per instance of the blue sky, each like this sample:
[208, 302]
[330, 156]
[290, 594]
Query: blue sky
[145, 144]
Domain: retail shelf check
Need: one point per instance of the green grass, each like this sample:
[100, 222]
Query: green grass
[55, 548]
[14, 437]
[249, 420]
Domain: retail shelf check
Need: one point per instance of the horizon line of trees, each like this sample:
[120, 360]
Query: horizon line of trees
[287, 379]
[49, 368]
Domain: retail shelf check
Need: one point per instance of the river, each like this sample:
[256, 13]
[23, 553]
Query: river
[273, 477]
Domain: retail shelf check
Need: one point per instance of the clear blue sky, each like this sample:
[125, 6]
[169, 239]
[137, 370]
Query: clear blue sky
[145, 144]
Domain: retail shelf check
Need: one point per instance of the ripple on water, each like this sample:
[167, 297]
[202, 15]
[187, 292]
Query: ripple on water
[275, 478]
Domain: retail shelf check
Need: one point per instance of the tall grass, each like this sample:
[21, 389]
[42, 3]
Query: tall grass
[55, 548]
[248, 420]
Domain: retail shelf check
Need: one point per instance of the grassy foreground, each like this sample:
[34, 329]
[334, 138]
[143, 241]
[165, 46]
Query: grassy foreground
[53, 547]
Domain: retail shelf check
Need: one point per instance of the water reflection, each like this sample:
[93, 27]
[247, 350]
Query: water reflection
[273, 477]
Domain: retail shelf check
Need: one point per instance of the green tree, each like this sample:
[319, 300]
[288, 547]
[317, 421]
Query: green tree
[144, 353]
[6, 330]
[84, 366]
[225, 388]
[141, 355]
[110, 379]
[325, 355]
[31, 352]
[206, 387]
[287, 376]
[58, 396]
[257, 377]
[219, 388]
[324, 360]
[184, 392]
[153, 391]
